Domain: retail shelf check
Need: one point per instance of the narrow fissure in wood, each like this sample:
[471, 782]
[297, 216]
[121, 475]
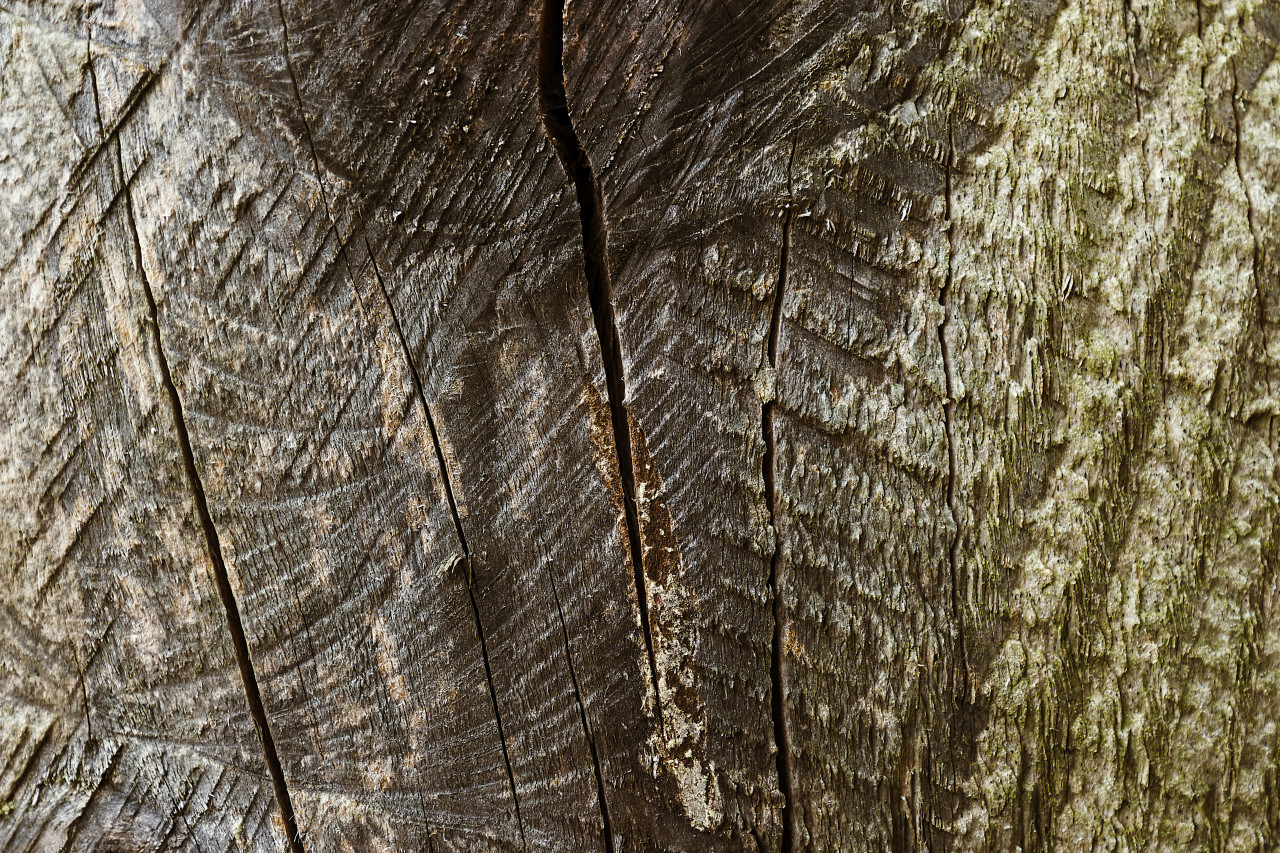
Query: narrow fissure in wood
[431, 425]
[1130, 39]
[311, 147]
[212, 544]
[947, 408]
[382, 288]
[422, 397]
[84, 701]
[493, 698]
[586, 727]
[457, 526]
[553, 105]
[777, 672]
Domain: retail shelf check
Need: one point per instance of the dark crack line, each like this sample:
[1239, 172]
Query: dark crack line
[777, 672]
[1204, 67]
[418, 387]
[493, 697]
[444, 475]
[247, 676]
[948, 406]
[553, 105]
[422, 397]
[382, 287]
[311, 145]
[457, 526]
[84, 698]
[200, 14]
[586, 727]
[431, 425]
[1131, 34]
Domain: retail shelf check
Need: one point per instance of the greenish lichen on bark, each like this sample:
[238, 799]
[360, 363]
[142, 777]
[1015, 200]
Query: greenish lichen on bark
[1120, 489]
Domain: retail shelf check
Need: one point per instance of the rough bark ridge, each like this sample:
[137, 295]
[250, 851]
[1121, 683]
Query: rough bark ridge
[865, 441]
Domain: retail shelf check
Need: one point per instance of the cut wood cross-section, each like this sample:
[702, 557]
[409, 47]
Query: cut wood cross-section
[639, 426]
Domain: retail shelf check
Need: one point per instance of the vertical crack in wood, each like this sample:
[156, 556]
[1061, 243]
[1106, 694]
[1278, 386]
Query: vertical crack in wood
[493, 697]
[1130, 38]
[426, 409]
[948, 405]
[457, 526]
[777, 670]
[311, 148]
[1200, 35]
[418, 387]
[586, 727]
[553, 105]
[212, 544]
[84, 700]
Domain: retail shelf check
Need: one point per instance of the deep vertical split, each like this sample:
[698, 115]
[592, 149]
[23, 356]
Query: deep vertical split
[948, 406]
[1251, 213]
[777, 673]
[311, 144]
[84, 701]
[553, 105]
[1130, 39]
[457, 526]
[493, 698]
[213, 546]
[422, 398]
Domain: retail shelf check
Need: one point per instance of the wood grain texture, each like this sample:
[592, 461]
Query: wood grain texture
[123, 719]
[926, 499]
[847, 177]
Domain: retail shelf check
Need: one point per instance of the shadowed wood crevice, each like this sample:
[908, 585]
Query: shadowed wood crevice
[457, 526]
[777, 671]
[553, 105]
[131, 105]
[586, 726]
[1000, 517]
[493, 698]
[1131, 37]
[426, 408]
[248, 677]
[948, 405]
[311, 147]
[84, 701]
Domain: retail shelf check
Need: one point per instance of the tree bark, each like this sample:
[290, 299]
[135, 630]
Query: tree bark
[799, 425]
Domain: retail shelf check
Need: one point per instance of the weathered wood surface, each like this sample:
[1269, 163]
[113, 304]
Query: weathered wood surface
[904, 477]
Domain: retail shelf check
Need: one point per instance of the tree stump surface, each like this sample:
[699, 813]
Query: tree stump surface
[718, 426]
